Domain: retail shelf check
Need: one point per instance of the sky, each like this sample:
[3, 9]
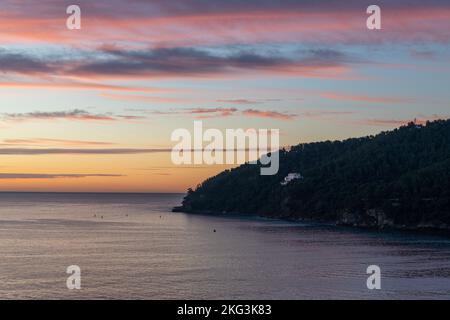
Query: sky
[92, 110]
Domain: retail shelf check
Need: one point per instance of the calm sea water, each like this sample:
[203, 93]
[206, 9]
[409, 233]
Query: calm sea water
[130, 246]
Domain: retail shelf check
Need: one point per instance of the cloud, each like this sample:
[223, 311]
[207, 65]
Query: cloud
[269, 114]
[248, 101]
[76, 114]
[72, 151]
[141, 98]
[204, 113]
[179, 62]
[116, 63]
[22, 63]
[183, 22]
[239, 101]
[75, 85]
[7, 176]
[46, 141]
[324, 113]
[423, 54]
[214, 112]
[199, 112]
[363, 98]
[128, 117]
[83, 151]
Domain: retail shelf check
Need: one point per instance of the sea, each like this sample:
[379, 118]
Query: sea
[131, 246]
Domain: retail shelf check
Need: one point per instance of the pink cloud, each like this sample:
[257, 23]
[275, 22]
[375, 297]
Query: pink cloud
[47, 141]
[326, 24]
[141, 98]
[75, 85]
[204, 113]
[363, 98]
[268, 114]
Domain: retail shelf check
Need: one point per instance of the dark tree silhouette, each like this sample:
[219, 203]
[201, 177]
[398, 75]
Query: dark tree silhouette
[399, 178]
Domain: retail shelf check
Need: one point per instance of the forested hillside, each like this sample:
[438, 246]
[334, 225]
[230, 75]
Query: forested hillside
[399, 179]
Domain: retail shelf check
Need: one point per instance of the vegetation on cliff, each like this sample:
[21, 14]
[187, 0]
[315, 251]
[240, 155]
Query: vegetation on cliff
[399, 178]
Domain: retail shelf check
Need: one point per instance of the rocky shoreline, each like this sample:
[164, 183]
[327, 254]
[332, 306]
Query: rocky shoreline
[372, 219]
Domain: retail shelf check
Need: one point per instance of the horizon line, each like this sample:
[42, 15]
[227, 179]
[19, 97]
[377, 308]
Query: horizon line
[92, 192]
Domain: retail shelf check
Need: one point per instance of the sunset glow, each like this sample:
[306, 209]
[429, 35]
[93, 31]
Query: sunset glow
[93, 109]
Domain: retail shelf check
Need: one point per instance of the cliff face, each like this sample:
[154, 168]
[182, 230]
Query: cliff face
[371, 218]
[397, 179]
[375, 218]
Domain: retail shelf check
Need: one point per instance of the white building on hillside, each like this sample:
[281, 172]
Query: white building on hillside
[290, 177]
